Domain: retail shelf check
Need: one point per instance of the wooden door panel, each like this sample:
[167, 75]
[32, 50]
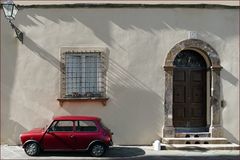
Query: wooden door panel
[196, 76]
[179, 94]
[196, 94]
[180, 75]
[179, 97]
[189, 98]
[197, 112]
[179, 112]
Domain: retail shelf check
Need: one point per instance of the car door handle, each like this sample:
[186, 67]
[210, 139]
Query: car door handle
[72, 136]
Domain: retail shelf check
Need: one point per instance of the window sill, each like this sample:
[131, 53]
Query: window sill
[92, 99]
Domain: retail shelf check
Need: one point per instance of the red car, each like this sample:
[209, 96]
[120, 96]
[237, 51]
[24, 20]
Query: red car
[69, 133]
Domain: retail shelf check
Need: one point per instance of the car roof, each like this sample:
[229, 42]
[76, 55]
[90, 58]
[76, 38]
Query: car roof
[74, 118]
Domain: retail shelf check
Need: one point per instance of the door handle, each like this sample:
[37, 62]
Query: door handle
[72, 136]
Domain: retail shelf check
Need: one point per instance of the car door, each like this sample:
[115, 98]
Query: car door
[60, 136]
[86, 132]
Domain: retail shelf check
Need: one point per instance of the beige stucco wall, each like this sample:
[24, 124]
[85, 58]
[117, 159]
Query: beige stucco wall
[138, 41]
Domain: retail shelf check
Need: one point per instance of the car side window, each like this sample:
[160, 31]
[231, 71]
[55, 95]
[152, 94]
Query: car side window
[86, 126]
[62, 126]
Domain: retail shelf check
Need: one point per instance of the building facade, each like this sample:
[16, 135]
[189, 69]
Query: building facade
[146, 70]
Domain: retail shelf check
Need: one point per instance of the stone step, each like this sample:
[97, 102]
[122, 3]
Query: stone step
[205, 140]
[200, 147]
[192, 135]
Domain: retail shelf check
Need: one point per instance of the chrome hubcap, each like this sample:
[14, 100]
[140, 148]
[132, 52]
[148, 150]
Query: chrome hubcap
[31, 149]
[98, 150]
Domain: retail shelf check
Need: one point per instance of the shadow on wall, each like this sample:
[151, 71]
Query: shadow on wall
[17, 129]
[139, 108]
[30, 44]
[9, 123]
[229, 136]
[134, 112]
[8, 69]
[136, 109]
[149, 20]
[223, 104]
[229, 77]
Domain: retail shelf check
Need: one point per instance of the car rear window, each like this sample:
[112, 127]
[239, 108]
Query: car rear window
[86, 126]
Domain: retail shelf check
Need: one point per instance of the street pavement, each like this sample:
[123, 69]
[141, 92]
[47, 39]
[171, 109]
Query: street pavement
[127, 152]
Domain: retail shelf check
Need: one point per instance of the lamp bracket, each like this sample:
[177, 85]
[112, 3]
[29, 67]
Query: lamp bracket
[17, 31]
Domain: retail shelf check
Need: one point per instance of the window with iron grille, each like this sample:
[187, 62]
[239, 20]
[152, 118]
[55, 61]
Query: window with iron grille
[83, 74]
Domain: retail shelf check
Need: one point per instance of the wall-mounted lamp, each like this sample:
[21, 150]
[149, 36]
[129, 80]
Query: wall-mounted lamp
[10, 11]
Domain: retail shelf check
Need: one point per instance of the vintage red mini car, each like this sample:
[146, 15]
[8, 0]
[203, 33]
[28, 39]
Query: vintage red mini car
[69, 133]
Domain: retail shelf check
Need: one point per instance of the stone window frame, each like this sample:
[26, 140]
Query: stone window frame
[213, 63]
[104, 54]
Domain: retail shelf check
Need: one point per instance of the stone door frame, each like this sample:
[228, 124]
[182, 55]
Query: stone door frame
[213, 64]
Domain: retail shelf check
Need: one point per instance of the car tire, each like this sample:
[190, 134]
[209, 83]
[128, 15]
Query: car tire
[32, 149]
[97, 150]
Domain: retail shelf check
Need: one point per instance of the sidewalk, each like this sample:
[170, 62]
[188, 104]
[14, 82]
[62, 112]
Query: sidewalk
[127, 152]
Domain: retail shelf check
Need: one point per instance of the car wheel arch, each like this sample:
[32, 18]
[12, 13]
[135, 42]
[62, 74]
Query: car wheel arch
[97, 148]
[32, 148]
[96, 142]
[31, 141]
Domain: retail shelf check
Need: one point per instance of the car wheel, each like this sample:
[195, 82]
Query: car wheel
[32, 149]
[97, 150]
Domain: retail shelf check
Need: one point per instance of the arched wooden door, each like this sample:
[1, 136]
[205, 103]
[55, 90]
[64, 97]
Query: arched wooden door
[189, 90]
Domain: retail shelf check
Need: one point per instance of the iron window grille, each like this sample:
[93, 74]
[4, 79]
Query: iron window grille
[83, 74]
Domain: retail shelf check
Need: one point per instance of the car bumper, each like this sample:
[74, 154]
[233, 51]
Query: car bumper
[111, 143]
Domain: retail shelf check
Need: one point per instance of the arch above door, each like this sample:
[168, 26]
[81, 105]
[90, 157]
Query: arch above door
[213, 65]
